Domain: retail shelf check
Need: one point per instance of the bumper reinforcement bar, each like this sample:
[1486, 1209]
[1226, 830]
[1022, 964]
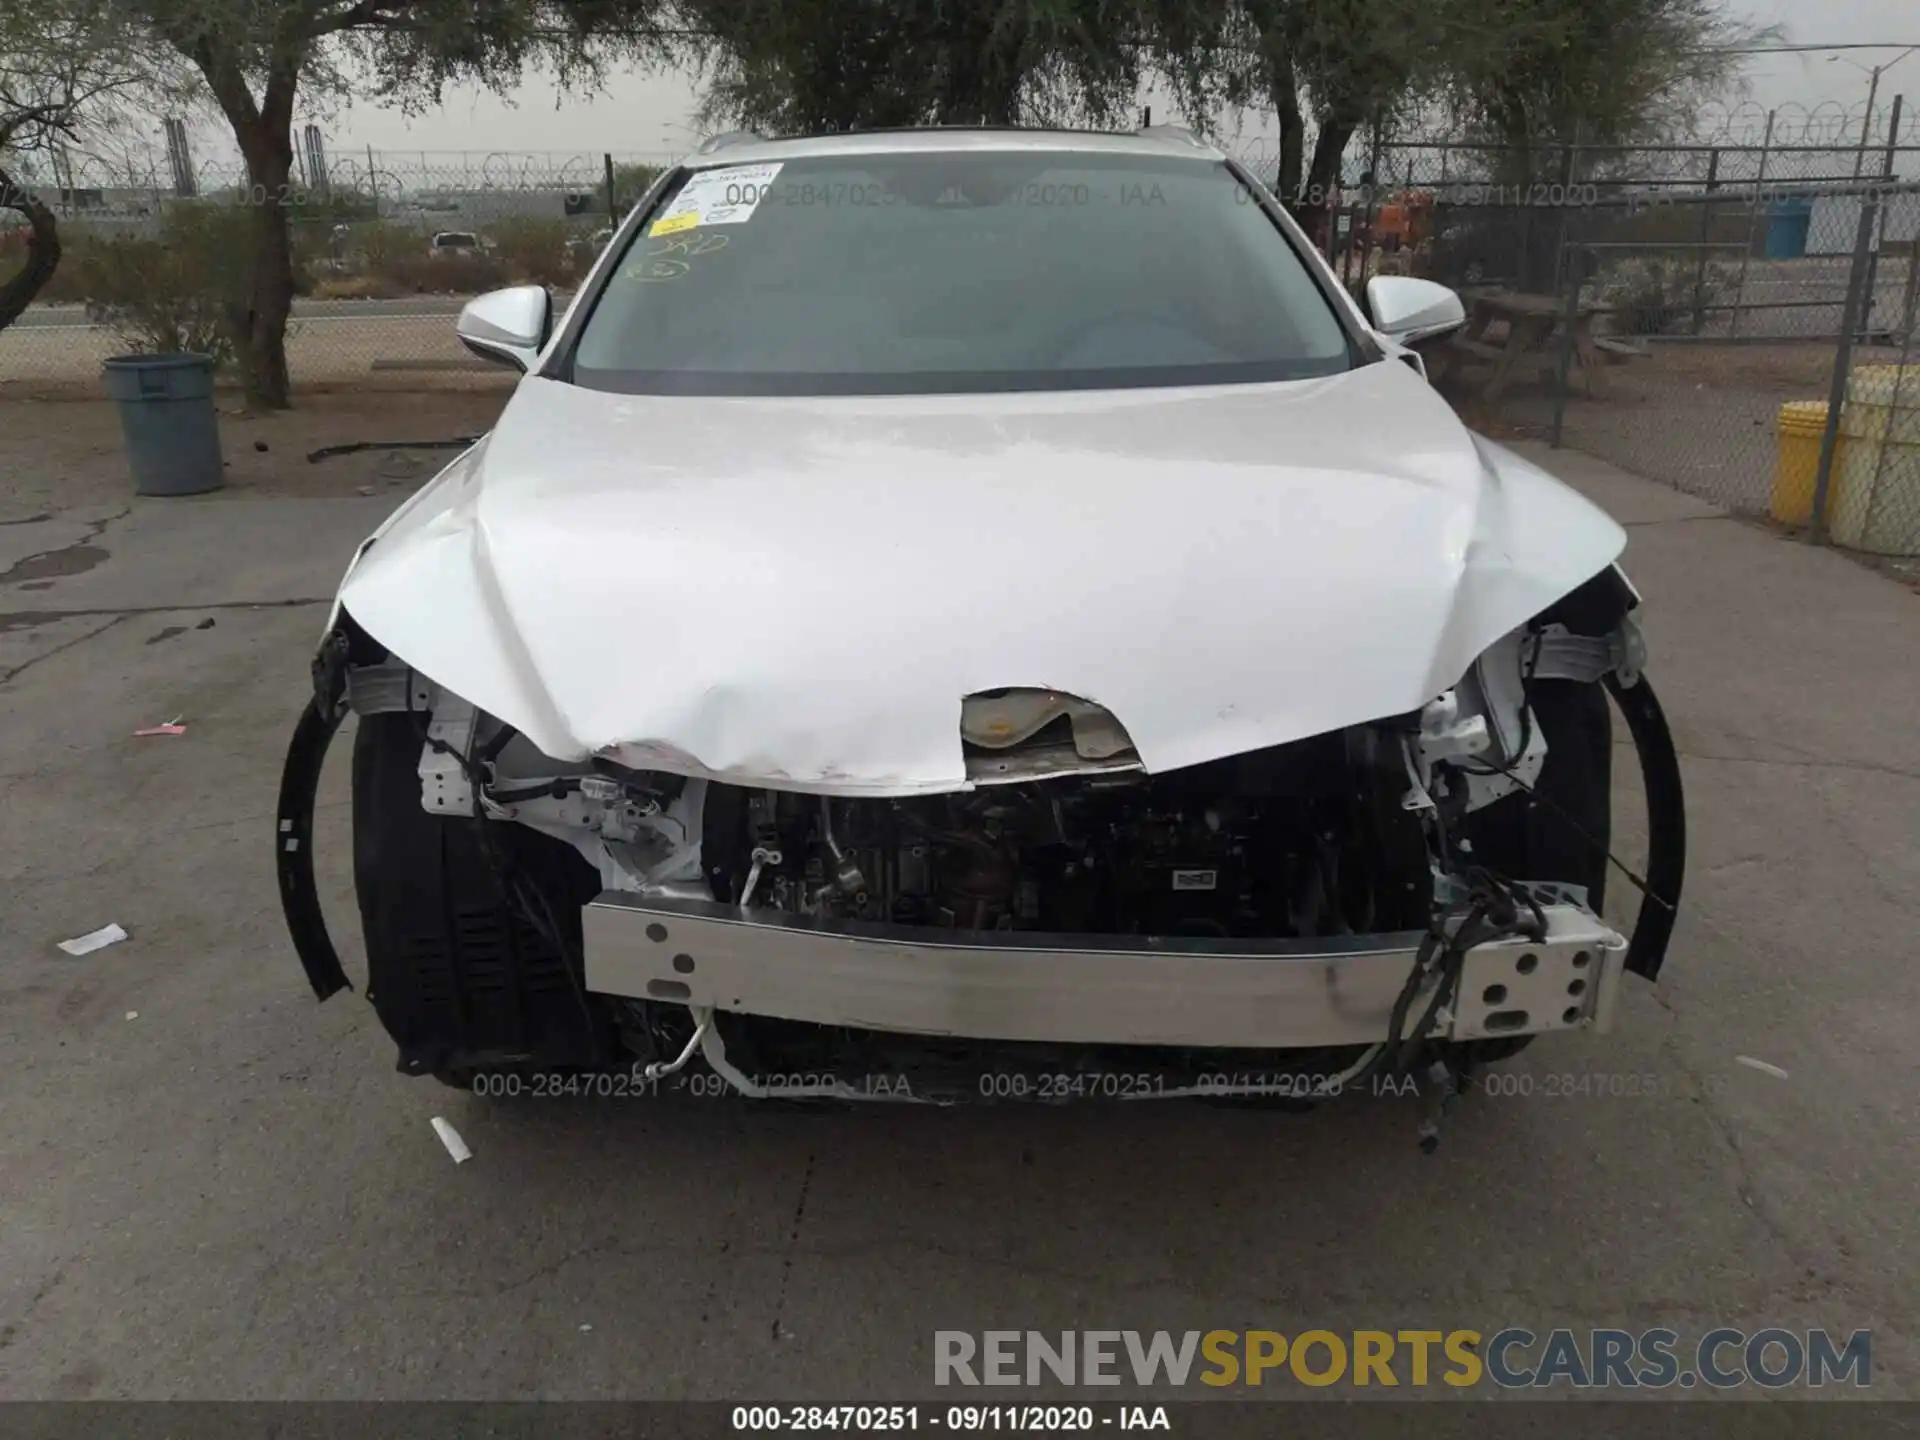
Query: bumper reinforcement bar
[1252, 994]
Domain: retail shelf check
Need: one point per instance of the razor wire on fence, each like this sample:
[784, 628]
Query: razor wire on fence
[1735, 318]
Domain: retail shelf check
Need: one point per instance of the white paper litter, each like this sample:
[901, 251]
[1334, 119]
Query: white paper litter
[94, 940]
[585, 1328]
[133, 1014]
[1762, 1066]
[450, 1137]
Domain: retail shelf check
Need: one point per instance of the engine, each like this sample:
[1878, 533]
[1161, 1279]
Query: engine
[1301, 840]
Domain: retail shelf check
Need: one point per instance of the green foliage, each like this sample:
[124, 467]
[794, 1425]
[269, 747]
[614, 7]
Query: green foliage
[801, 66]
[183, 289]
[1546, 73]
[630, 182]
[534, 250]
[1657, 295]
[256, 57]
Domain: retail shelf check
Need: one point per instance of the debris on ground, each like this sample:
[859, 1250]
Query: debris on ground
[94, 940]
[206, 624]
[450, 1137]
[133, 1014]
[171, 727]
[1761, 1065]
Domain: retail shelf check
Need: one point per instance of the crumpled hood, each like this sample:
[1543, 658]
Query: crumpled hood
[799, 592]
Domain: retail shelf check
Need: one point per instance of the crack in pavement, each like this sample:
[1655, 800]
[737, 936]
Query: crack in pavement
[1671, 520]
[83, 552]
[1864, 766]
[33, 619]
[7, 677]
[793, 1243]
[10, 1331]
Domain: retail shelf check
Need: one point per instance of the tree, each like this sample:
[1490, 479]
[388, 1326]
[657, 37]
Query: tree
[1324, 67]
[62, 72]
[802, 66]
[256, 57]
[1530, 76]
[1595, 72]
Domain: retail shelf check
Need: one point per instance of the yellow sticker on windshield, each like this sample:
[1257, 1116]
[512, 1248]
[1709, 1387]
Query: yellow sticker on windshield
[674, 223]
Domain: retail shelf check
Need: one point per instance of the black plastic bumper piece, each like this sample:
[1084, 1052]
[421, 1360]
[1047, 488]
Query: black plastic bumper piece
[1666, 824]
[293, 848]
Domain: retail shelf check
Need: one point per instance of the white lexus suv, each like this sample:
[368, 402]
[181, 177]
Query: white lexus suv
[945, 605]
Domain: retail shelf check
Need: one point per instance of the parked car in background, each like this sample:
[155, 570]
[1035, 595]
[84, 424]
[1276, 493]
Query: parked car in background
[455, 242]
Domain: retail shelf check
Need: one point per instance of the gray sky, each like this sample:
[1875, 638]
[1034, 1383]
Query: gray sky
[652, 113]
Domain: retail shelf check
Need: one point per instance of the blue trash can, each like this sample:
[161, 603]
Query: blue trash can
[1787, 225]
[167, 418]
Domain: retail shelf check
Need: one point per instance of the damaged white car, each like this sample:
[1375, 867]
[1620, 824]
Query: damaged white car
[965, 603]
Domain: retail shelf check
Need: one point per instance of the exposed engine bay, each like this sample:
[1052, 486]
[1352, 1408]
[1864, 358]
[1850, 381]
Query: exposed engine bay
[1421, 885]
[1338, 834]
[1302, 840]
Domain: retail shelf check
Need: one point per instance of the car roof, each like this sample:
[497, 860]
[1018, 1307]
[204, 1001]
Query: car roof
[1168, 142]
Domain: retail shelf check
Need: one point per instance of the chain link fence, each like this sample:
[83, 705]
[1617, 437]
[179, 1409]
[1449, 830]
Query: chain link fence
[387, 247]
[1735, 318]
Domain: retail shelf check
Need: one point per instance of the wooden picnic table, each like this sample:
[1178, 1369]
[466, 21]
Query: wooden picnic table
[1533, 324]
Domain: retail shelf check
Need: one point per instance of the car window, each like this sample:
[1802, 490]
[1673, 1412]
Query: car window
[957, 271]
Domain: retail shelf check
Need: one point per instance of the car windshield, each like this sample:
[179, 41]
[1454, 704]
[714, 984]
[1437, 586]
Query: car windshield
[970, 271]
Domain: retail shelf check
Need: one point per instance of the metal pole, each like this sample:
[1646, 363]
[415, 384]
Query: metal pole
[613, 210]
[1842, 365]
[1899, 385]
[1873, 258]
[373, 184]
[1706, 234]
[1753, 222]
[1563, 366]
[1569, 165]
[1372, 198]
[1866, 126]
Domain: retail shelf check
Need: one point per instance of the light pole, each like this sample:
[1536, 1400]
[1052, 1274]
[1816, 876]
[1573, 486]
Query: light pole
[1873, 95]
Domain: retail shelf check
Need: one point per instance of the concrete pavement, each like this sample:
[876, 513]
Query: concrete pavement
[233, 1195]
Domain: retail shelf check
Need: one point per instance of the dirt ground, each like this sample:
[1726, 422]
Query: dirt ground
[1700, 418]
[64, 452]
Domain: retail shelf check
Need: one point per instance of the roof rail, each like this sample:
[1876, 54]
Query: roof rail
[732, 137]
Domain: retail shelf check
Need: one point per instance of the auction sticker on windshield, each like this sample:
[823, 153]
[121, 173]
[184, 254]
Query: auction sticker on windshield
[726, 196]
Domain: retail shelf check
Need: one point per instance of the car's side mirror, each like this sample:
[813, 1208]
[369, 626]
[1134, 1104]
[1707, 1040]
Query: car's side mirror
[507, 326]
[1410, 310]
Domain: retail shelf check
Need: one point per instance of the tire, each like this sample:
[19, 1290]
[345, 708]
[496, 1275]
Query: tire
[462, 980]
